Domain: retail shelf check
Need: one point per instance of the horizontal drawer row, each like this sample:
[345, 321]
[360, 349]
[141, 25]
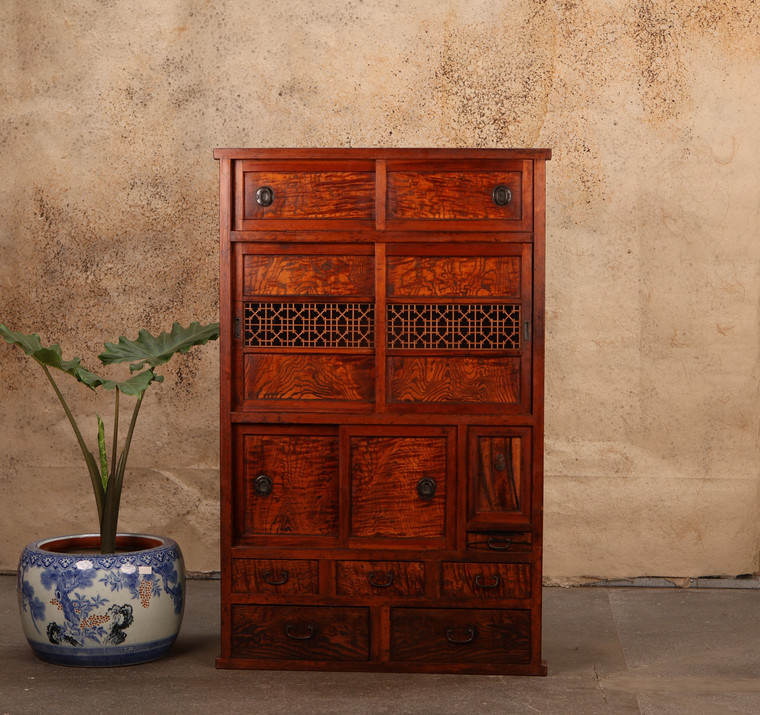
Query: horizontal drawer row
[323, 633]
[392, 579]
[498, 192]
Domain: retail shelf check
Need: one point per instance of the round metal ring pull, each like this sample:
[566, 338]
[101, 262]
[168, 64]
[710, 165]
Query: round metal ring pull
[426, 488]
[502, 195]
[263, 485]
[265, 196]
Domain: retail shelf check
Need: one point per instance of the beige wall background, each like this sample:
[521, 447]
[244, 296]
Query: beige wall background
[108, 205]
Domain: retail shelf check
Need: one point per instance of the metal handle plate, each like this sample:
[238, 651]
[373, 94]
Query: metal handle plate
[381, 584]
[267, 576]
[469, 637]
[290, 632]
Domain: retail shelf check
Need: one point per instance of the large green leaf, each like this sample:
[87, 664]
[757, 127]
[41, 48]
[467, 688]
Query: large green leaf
[154, 351]
[52, 357]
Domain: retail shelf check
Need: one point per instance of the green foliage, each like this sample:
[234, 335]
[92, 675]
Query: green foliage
[145, 350]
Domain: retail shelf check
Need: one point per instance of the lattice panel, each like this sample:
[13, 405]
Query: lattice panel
[309, 325]
[483, 326]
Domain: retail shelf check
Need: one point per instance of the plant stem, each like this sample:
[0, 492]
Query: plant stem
[92, 466]
[110, 518]
[115, 432]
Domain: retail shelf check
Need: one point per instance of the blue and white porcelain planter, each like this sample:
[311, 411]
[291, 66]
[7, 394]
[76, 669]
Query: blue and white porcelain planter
[80, 607]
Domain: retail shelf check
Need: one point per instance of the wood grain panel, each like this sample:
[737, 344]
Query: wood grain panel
[452, 195]
[304, 475]
[454, 276]
[300, 633]
[499, 474]
[275, 576]
[385, 472]
[454, 379]
[308, 275]
[467, 636]
[380, 578]
[476, 580]
[309, 377]
[311, 195]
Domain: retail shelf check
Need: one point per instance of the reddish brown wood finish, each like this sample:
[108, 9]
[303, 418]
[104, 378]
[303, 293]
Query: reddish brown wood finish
[382, 409]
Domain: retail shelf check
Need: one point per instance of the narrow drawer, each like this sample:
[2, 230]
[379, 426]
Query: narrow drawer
[475, 580]
[458, 636]
[380, 578]
[309, 193]
[286, 576]
[494, 196]
[300, 633]
[499, 542]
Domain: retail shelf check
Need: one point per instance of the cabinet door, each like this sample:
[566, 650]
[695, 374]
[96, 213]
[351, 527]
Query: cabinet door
[458, 327]
[289, 483]
[306, 316]
[401, 485]
[499, 476]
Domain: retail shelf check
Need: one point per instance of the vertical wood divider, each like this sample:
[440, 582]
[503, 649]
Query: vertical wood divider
[381, 186]
[381, 373]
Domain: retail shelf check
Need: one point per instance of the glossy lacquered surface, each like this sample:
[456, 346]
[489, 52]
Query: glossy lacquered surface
[382, 409]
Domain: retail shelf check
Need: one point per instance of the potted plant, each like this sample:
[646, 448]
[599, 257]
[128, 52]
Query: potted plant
[108, 598]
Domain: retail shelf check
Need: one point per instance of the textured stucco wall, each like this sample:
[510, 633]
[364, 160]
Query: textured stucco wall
[108, 200]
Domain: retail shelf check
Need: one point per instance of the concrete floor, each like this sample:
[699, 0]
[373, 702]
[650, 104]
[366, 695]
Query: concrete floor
[609, 650]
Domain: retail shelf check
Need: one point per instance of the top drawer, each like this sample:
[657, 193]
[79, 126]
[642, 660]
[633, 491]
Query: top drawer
[272, 193]
[471, 196]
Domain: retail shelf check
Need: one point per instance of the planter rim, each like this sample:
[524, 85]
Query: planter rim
[158, 542]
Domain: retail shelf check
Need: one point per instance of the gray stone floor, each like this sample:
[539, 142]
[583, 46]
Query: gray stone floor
[609, 650]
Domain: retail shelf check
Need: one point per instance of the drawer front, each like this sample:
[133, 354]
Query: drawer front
[494, 196]
[300, 633]
[471, 580]
[456, 636]
[307, 194]
[275, 576]
[499, 542]
[290, 484]
[398, 486]
[379, 578]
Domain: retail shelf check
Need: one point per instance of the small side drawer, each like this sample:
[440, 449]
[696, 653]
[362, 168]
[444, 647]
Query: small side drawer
[457, 636]
[275, 576]
[300, 633]
[474, 580]
[379, 578]
[499, 542]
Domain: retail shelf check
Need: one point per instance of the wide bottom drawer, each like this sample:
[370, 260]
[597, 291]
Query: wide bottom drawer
[300, 633]
[460, 636]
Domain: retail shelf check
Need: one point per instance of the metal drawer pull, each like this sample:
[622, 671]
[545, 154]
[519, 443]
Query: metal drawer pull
[381, 584]
[499, 543]
[268, 578]
[263, 485]
[265, 196]
[481, 583]
[426, 488]
[469, 639]
[290, 633]
[502, 195]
